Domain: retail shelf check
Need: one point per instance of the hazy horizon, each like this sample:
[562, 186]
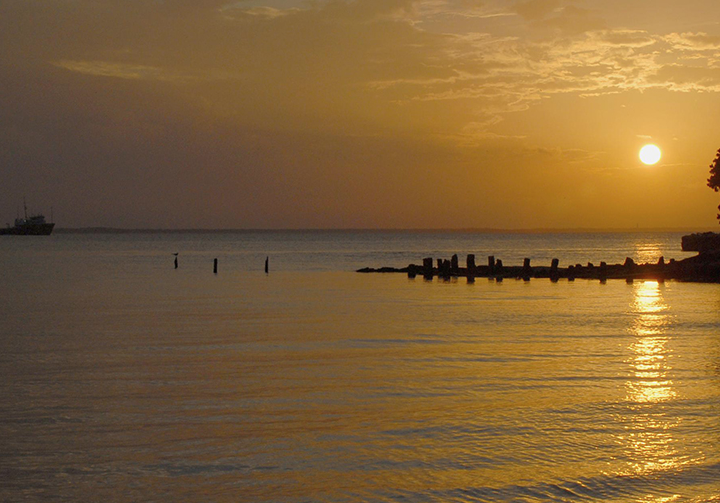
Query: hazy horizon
[537, 230]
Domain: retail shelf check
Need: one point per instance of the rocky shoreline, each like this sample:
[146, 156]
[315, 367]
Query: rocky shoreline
[704, 267]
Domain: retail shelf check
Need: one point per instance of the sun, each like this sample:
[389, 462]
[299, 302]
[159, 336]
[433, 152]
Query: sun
[650, 154]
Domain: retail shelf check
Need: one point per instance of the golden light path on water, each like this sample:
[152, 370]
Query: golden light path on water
[648, 438]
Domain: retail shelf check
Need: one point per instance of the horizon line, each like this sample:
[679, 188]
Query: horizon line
[487, 230]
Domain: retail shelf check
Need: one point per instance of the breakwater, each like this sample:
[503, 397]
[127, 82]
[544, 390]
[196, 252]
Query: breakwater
[704, 267]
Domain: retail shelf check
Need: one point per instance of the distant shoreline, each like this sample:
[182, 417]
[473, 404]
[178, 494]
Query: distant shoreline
[579, 230]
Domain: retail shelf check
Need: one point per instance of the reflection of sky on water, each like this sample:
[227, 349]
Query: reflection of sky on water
[648, 438]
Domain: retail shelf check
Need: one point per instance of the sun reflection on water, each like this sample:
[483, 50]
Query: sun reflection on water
[647, 252]
[648, 436]
[649, 360]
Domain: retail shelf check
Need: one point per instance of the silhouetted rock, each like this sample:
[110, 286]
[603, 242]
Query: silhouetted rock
[701, 242]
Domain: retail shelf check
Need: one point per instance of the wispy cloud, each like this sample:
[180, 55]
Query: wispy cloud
[367, 57]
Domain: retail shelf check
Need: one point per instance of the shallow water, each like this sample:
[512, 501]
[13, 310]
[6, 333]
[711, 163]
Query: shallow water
[127, 380]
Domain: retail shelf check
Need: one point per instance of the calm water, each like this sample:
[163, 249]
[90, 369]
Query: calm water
[124, 379]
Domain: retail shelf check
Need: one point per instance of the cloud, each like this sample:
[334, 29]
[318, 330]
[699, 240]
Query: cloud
[362, 66]
[693, 41]
[120, 70]
[534, 10]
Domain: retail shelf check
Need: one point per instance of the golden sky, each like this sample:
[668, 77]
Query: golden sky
[359, 114]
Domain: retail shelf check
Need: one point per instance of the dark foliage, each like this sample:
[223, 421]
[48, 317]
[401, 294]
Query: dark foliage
[714, 180]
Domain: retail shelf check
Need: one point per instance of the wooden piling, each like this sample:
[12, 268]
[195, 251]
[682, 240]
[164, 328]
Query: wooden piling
[267, 264]
[215, 266]
[428, 268]
[445, 269]
[454, 265]
[526, 269]
[554, 275]
[491, 265]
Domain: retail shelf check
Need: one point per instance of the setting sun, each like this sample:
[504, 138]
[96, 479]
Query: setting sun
[650, 154]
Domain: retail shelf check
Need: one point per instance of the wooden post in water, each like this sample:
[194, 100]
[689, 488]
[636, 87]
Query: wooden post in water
[267, 264]
[428, 268]
[470, 263]
[215, 266]
[629, 267]
[554, 276]
[526, 270]
[491, 265]
[446, 268]
[454, 265]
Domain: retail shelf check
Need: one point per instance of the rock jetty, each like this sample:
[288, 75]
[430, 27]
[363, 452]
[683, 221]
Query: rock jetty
[704, 267]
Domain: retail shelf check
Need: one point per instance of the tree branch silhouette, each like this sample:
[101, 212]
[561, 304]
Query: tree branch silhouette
[714, 181]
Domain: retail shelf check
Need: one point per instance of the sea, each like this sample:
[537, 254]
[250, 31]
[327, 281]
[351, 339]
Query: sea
[126, 379]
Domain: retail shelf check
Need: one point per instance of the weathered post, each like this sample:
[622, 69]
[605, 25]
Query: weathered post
[498, 269]
[603, 270]
[470, 266]
[454, 265]
[629, 267]
[526, 270]
[267, 264]
[428, 268]
[571, 273]
[215, 266]
[491, 265]
[554, 276]
[446, 269]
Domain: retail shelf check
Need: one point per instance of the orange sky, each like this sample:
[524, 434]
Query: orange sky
[359, 114]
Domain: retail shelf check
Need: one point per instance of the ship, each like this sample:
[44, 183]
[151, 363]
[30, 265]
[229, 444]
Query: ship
[34, 225]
